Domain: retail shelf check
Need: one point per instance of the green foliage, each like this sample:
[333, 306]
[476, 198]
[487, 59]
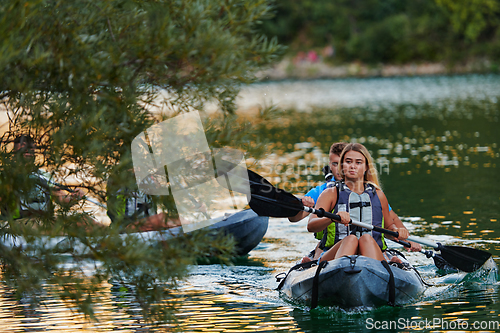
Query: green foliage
[82, 78]
[472, 18]
[388, 31]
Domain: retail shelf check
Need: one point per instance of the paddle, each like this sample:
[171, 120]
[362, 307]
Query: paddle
[67, 188]
[438, 259]
[264, 196]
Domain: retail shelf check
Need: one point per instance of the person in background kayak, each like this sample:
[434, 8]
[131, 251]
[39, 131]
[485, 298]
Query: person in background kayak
[131, 208]
[332, 176]
[357, 196]
[37, 201]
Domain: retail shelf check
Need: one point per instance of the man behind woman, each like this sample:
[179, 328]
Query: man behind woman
[358, 197]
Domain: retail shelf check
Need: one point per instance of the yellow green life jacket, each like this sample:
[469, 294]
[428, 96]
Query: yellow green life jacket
[35, 200]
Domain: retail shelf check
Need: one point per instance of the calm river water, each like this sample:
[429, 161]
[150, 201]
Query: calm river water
[435, 141]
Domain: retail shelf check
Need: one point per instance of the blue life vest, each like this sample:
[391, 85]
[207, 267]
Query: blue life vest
[364, 207]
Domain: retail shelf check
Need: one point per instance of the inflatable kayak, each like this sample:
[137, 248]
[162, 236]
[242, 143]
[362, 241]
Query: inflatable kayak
[351, 282]
[246, 226]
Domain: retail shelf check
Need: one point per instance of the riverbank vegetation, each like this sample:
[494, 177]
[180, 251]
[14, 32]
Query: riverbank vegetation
[82, 78]
[462, 35]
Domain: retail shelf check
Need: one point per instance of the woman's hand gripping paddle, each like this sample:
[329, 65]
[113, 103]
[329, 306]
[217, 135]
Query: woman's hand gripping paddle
[267, 200]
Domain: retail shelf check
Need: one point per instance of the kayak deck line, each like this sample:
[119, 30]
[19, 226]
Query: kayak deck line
[352, 282]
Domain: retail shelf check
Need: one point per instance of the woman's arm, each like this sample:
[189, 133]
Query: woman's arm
[66, 197]
[326, 200]
[398, 224]
[415, 247]
[389, 222]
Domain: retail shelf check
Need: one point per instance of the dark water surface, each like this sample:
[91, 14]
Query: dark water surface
[435, 142]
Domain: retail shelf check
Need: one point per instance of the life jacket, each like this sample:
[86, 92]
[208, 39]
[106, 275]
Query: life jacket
[126, 203]
[364, 207]
[129, 204]
[320, 234]
[38, 198]
[35, 200]
[135, 205]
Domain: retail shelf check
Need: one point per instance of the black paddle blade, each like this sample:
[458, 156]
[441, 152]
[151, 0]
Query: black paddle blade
[264, 206]
[464, 258]
[267, 200]
[442, 264]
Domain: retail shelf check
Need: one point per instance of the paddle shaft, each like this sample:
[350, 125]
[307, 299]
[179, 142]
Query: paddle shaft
[323, 213]
[428, 254]
[396, 234]
[463, 258]
[67, 188]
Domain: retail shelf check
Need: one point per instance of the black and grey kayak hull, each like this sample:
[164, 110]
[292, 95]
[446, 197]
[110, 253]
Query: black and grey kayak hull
[351, 282]
[245, 226]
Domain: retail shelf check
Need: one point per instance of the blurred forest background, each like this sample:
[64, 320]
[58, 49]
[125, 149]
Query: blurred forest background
[374, 32]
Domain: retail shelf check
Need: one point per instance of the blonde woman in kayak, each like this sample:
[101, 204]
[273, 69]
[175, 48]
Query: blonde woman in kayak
[358, 197]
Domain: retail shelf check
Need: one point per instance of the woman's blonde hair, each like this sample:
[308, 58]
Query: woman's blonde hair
[371, 175]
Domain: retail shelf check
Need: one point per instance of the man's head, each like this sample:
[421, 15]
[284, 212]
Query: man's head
[24, 144]
[334, 156]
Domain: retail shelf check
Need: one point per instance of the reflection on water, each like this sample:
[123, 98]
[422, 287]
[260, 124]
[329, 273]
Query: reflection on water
[308, 95]
[208, 312]
[435, 141]
[437, 162]
[242, 298]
